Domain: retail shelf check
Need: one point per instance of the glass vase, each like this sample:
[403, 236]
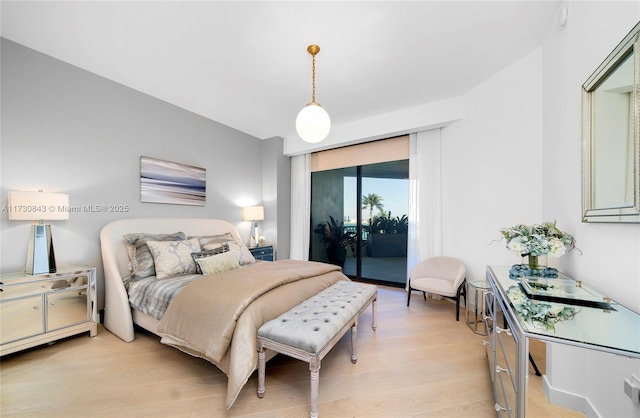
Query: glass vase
[532, 263]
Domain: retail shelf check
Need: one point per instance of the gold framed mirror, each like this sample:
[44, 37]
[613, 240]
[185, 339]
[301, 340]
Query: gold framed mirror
[610, 136]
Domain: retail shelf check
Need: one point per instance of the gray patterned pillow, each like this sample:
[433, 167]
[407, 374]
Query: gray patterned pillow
[209, 242]
[142, 261]
[173, 258]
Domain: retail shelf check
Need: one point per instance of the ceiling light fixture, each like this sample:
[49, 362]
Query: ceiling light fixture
[313, 122]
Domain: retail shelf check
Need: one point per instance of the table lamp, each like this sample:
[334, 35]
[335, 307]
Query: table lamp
[253, 214]
[40, 206]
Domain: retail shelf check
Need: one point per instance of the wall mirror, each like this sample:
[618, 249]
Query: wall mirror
[610, 136]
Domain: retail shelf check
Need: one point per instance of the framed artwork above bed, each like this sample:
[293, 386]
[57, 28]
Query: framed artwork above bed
[173, 183]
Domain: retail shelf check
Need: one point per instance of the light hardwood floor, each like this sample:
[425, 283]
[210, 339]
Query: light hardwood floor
[420, 362]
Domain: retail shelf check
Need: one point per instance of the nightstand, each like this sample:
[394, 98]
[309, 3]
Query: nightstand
[264, 253]
[40, 308]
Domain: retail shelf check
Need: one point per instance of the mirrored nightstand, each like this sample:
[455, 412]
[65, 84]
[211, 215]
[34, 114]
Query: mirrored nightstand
[37, 309]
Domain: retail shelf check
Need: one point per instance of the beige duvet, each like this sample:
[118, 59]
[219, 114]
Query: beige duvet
[217, 317]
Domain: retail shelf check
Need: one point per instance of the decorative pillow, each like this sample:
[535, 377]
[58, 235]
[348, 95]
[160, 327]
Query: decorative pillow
[211, 242]
[219, 262]
[131, 250]
[141, 258]
[202, 254]
[173, 258]
[245, 256]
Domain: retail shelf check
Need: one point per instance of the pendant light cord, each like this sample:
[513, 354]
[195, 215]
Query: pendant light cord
[313, 50]
[313, 79]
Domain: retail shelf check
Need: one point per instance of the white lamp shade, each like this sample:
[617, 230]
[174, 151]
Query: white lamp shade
[30, 206]
[313, 123]
[253, 213]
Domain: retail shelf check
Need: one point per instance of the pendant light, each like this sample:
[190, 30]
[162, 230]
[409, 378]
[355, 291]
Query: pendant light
[313, 122]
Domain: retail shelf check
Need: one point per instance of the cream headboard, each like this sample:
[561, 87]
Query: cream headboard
[117, 312]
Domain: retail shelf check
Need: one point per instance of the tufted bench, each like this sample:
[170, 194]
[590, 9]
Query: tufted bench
[308, 331]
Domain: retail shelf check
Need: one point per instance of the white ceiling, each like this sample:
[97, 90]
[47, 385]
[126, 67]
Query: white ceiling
[245, 64]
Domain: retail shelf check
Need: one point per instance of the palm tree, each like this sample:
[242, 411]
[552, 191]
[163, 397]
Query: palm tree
[371, 201]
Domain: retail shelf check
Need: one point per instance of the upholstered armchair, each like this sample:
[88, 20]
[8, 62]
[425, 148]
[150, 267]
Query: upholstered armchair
[440, 275]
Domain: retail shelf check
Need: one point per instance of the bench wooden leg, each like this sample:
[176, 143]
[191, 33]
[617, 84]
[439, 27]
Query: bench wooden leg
[354, 331]
[314, 367]
[354, 341]
[261, 371]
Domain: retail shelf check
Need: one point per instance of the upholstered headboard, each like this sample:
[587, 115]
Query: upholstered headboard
[117, 312]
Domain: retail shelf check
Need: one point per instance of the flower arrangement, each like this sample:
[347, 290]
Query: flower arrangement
[541, 315]
[537, 240]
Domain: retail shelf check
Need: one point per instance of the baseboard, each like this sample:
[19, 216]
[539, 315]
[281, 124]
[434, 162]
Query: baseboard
[569, 400]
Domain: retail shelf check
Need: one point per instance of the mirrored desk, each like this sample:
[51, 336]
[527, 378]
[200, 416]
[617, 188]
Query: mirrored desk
[559, 310]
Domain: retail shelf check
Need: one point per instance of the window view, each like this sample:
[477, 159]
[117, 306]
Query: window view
[360, 220]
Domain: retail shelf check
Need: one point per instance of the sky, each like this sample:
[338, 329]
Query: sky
[394, 194]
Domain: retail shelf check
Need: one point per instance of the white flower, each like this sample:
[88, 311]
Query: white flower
[517, 247]
[556, 247]
[516, 296]
[555, 309]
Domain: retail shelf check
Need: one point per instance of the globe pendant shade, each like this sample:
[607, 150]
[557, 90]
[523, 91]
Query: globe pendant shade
[313, 123]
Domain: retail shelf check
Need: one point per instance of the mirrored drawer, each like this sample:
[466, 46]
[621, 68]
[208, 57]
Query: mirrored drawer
[506, 369]
[66, 308]
[21, 318]
[506, 363]
[20, 288]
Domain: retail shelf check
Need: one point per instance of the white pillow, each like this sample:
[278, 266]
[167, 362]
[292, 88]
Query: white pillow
[219, 262]
[173, 258]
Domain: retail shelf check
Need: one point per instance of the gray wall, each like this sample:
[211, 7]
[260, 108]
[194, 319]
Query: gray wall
[276, 184]
[70, 131]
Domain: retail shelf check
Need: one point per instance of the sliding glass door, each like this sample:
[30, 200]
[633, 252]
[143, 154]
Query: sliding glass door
[359, 220]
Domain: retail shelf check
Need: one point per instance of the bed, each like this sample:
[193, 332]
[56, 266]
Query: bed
[212, 316]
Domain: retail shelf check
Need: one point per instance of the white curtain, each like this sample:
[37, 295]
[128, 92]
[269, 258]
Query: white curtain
[425, 197]
[300, 206]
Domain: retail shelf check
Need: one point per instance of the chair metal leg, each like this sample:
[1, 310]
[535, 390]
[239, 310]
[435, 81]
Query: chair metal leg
[424, 295]
[461, 292]
[535, 366]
